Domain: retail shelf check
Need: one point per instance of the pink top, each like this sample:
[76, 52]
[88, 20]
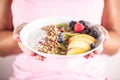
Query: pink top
[28, 68]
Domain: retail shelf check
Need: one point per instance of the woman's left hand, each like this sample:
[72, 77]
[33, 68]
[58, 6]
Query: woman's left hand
[100, 48]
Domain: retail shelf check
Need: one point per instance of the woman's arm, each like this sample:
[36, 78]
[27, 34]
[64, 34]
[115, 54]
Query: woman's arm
[5, 15]
[111, 21]
[7, 44]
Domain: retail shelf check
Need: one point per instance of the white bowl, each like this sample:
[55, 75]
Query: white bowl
[31, 34]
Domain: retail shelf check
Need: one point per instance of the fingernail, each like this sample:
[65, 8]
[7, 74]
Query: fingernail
[32, 54]
[42, 58]
[86, 56]
[18, 39]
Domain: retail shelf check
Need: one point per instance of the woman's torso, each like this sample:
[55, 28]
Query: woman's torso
[29, 10]
[68, 69]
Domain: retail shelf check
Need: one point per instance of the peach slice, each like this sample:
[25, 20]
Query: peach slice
[75, 50]
[88, 37]
[79, 44]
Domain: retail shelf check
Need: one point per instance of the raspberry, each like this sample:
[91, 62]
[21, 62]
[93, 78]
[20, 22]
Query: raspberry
[78, 27]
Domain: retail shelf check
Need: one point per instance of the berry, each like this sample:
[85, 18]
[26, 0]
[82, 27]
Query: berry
[61, 29]
[93, 33]
[72, 24]
[83, 23]
[92, 45]
[85, 31]
[60, 34]
[89, 29]
[78, 27]
[60, 39]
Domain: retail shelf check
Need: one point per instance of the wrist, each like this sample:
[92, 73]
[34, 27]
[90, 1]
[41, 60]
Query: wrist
[112, 45]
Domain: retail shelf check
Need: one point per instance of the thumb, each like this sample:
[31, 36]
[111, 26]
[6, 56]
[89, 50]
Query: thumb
[16, 32]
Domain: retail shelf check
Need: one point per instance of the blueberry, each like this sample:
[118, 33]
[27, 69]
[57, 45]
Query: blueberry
[60, 35]
[72, 24]
[60, 39]
[92, 45]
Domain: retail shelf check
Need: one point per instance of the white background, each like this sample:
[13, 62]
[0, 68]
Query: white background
[113, 67]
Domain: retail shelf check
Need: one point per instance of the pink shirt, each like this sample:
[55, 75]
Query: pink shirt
[28, 68]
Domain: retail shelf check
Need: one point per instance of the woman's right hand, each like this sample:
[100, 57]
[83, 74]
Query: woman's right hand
[21, 45]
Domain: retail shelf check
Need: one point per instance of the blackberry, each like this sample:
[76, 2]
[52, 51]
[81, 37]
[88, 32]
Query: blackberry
[86, 27]
[83, 23]
[92, 45]
[85, 31]
[72, 24]
[89, 29]
[93, 33]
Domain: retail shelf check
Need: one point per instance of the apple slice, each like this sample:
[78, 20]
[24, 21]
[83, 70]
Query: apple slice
[79, 44]
[75, 50]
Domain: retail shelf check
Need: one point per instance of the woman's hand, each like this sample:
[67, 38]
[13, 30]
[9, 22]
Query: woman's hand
[100, 48]
[21, 45]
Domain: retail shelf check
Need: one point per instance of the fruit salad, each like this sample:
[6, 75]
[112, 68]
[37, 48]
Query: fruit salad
[75, 37]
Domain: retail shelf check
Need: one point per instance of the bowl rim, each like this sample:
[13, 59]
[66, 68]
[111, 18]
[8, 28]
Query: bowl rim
[52, 55]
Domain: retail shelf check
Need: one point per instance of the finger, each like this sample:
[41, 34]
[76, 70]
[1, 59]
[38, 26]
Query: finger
[98, 51]
[38, 57]
[26, 50]
[30, 53]
[87, 56]
[17, 32]
[92, 55]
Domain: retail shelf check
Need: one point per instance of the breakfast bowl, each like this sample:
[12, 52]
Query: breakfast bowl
[62, 37]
